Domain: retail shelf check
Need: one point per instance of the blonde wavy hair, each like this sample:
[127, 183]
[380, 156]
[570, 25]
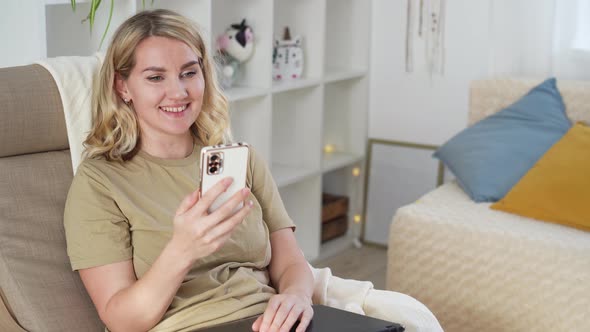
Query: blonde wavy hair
[115, 133]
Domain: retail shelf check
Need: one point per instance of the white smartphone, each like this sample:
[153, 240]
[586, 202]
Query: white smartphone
[219, 162]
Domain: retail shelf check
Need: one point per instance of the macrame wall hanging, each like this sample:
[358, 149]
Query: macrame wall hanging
[430, 30]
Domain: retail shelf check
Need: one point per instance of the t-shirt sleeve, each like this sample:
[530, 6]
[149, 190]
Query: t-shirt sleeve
[266, 192]
[97, 232]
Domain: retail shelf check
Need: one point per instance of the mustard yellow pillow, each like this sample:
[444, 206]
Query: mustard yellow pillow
[557, 188]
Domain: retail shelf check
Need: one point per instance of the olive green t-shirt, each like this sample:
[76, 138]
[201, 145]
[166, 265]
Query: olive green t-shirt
[120, 211]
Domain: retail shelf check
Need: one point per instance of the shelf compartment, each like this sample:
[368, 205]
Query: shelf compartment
[256, 72]
[345, 116]
[335, 74]
[296, 128]
[304, 18]
[335, 160]
[251, 121]
[342, 182]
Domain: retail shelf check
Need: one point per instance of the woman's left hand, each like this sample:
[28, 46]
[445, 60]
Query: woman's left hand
[283, 311]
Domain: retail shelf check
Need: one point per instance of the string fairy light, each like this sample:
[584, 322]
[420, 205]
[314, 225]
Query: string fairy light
[329, 148]
[356, 205]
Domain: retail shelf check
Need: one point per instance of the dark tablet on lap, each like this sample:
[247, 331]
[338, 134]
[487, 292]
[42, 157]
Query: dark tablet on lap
[325, 319]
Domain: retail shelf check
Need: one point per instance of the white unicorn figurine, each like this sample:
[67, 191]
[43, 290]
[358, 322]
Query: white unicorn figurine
[287, 58]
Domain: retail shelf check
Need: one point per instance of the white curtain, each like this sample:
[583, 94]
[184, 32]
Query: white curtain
[571, 39]
[540, 38]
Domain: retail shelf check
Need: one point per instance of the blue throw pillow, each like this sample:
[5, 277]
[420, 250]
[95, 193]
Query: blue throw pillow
[490, 157]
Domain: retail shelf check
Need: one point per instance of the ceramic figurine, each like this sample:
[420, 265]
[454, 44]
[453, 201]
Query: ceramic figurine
[287, 59]
[234, 47]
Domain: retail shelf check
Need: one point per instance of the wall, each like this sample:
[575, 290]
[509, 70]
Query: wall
[412, 106]
[20, 32]
[25, 29]
[484, 38]
[521, 36]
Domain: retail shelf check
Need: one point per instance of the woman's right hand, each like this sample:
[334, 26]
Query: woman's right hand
[197, 233]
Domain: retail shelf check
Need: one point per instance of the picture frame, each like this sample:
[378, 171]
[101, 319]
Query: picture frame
[397, 173]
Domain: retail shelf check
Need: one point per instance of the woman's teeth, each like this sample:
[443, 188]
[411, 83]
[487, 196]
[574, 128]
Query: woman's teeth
[174, 109]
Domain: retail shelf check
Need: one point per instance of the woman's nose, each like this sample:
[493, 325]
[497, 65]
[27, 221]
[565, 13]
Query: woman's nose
[177, 89]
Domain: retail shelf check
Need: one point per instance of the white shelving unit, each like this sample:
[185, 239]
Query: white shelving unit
[289, 122]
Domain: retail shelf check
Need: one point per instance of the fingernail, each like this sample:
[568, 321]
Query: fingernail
[250, 203]
[245, 191]
[228, 181]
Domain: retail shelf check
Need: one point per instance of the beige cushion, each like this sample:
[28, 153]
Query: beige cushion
[31, 112]
[35, 277]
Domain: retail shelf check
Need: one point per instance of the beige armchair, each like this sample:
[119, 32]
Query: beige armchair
[39, 291]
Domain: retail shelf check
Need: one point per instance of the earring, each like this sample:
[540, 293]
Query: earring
[126, 101]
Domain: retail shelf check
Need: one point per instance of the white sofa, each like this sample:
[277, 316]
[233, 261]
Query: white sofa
[479, 269]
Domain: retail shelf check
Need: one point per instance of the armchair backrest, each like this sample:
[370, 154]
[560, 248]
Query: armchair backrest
[39, 292]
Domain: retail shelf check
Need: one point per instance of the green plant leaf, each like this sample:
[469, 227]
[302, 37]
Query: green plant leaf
[93, 7]
[143, 4]
[108, 24]
[73, 2]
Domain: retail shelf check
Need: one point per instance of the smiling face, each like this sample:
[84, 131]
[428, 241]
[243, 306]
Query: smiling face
[166, 88]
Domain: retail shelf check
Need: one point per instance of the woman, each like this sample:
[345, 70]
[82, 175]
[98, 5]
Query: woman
[148, 253]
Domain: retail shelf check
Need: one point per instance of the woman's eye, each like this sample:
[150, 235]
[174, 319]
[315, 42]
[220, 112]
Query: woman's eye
[156, 78]
[189, 74]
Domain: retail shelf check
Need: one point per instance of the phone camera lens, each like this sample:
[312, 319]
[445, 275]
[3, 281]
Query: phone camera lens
[214, 157]
[212, 169]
